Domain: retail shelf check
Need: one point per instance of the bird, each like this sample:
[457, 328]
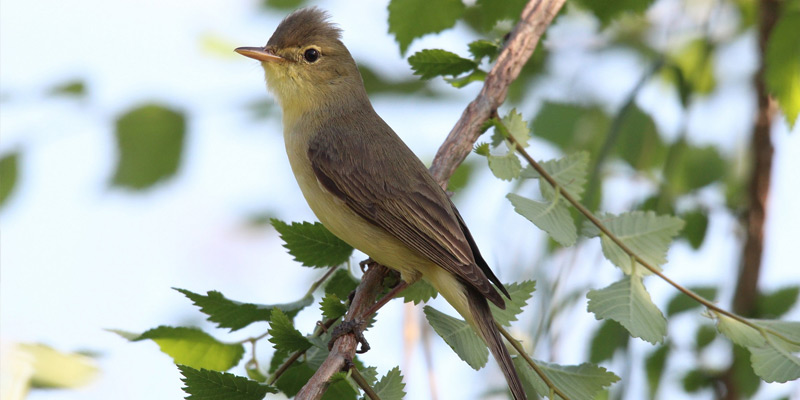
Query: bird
[364, 184]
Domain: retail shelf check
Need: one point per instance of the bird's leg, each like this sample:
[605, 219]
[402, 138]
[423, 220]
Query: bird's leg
[355, 325]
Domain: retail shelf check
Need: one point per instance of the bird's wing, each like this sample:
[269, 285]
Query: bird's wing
[382, 180]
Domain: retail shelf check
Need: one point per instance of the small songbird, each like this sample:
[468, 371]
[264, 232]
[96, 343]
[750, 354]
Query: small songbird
[364, 184]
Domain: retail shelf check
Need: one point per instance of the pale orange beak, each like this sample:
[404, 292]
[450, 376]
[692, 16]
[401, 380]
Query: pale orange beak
[259, 53]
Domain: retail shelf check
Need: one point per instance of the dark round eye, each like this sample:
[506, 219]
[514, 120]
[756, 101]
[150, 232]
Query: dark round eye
[311, 55]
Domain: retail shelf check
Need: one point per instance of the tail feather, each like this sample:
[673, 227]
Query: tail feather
[484, 322]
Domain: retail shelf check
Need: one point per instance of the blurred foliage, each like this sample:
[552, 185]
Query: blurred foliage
[8, 175]
[74, 88]
[150, 141]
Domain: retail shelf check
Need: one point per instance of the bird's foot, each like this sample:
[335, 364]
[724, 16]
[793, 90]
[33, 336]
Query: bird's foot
[354, 327]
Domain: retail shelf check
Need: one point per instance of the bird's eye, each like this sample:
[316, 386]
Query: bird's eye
[311, 55]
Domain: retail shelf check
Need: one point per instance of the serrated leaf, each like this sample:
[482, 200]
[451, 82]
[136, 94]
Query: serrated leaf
[552, 217]
[483, 48]
[773, 353]
[569, 172]
[681, 302]
[191, 347]
[430, 63]
[459, 336]
[645, 233]
[782, 62]
[410, 19]
[628, 303]
[332, 307]
[235, 315]
[578, 382]
[312, 245]
[482, 149]
[8, 175]
[341, 284]
[419, 292]
[516, 127]
[607, 340]
[520, 293]
[391, 385]
[202, 384]
[738, 332]
[284, 335]
[149, 143]
[505, 167]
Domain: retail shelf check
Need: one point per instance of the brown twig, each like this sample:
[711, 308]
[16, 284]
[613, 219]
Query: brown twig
[536, 17]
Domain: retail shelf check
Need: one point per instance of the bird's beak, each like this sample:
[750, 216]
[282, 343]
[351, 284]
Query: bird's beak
[259, 53]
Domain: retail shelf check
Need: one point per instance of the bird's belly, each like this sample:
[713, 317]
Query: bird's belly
[357, 231]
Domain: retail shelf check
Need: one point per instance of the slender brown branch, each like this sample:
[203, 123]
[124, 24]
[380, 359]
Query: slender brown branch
[363, 384]
[521, 351]
[536, 17]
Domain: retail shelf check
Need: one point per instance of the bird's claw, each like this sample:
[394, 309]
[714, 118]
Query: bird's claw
[348, 327]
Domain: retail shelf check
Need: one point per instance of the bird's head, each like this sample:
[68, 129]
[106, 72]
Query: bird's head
[305, 63]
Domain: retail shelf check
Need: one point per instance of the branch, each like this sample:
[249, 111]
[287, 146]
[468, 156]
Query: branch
[536, 17]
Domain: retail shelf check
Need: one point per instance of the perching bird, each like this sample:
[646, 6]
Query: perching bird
[364, 184]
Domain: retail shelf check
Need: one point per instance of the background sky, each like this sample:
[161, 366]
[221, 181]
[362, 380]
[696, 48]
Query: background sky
[78, 257]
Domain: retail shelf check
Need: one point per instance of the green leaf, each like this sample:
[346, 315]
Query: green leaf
[608, 11]
[150, 142]
[47, 367]
[638, 142]
[332, 307]
[578, 382]
[696, 227]
[312, 245]
[191, 347]
[376, 83]
[569, 172]
[477, 75]
[284, 335]
[513, 125]
[484, 48]
[340, 387]
[419, 292]
[202, 384]
[607, 340]
[8, 175]
[430, 63]
[681, 302]
[391, 386]
[286, 5]
[552, 218]
[341, 284]
[698, 167]
[482, 149]
[235, 315]
[505, 167]
[695, 380]
[704, 336]
[782, 59]
[520, 293]
[294, 378]
[571, 127]
[461, 177]
[459, 336]
[648, 235]
[491, 11]
[654, 365]
[628, 303]
[696, 64]
[74, 88]
[772, 348]
[777, 303]
[410, 19]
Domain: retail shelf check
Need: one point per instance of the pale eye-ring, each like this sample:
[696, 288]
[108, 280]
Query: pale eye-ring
[311, 55]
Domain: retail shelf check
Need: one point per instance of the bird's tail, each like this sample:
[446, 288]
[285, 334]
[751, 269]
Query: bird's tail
[484, 322]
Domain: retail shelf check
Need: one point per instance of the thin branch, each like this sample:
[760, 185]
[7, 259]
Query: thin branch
[594, 220]
[363, 384]
[536, 17]
[521, 351]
